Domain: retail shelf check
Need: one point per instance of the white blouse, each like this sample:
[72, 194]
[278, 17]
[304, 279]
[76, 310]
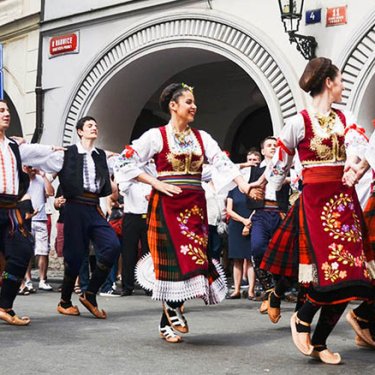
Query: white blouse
[294, 132]
[127, 167]
[370, 151]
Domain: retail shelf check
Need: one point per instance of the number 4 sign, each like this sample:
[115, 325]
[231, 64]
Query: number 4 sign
[313, 16]
[336, 16]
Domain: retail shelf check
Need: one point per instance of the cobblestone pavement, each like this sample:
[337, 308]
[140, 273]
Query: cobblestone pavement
[231, 338]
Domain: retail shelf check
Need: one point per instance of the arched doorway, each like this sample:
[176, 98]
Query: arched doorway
[232, 71]
[358, 70]
[15, 127]
[255, 127]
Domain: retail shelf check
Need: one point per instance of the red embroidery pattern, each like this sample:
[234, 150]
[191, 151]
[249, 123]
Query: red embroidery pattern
[13, 163]
[3, 172]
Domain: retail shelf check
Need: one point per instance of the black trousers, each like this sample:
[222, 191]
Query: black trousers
[134, 229]
[18, 248]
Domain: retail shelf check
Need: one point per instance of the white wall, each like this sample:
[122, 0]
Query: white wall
[62, 75]
[19, 34]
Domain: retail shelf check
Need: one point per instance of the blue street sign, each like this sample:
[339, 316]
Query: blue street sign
[313, 16]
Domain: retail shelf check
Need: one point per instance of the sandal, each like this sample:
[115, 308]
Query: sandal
[77, 289]
[301, 339]
[363, 333]
[326, 356]
[94, 310]
[11, 318]
[176, 319]
[273, 312]
[169, 335]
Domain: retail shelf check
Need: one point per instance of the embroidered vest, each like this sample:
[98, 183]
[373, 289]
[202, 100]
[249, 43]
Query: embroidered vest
[71, 174]
[184, 162]
[316, 149]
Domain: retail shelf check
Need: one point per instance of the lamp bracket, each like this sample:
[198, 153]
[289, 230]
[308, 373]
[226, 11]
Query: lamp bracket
[305, 44]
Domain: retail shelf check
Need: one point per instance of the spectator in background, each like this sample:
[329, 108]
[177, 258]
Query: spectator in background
[40, 188]
[253, 159]
[115, 210]
[134, 226]
[216, 219]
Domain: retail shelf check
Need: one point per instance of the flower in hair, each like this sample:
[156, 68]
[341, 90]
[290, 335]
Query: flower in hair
[187, 87]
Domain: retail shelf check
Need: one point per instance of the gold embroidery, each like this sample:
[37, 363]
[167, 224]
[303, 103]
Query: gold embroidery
[181, 157]
[332, 273]
[330, 219]
[196, 254]
[339, 255]
[323, 128]
[183, 219]
[184, 165]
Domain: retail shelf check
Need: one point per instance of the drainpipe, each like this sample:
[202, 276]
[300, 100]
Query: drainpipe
[38, 89]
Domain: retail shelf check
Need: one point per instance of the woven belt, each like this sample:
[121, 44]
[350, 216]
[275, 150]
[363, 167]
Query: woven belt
[8, 201]
[268, 203]
[88, 198]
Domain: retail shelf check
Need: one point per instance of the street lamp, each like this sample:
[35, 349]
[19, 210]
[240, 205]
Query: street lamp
[291, 14]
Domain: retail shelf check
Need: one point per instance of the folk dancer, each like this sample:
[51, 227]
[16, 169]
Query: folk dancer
[330, 249]
[16, 241]
[177, 222]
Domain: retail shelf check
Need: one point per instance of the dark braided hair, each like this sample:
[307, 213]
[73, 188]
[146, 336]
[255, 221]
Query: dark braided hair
[170, 94]
[316, 71]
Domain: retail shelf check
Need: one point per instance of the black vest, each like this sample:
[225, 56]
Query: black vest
[23, 178]
[71, 174]
[282, 196]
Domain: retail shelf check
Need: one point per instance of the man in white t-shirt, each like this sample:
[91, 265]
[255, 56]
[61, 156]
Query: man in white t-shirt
[40, 188]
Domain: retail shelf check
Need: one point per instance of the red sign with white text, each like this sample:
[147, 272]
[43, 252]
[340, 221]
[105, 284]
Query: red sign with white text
[336, 16]
[62, 44]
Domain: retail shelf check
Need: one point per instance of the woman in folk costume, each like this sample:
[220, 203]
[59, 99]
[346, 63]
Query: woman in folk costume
[177, 217]
[333, 262]
[362, 319]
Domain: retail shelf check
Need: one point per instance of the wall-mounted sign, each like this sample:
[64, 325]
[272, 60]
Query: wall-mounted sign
[313, 16]
[63, 44]
[336, 16]
[1, 73]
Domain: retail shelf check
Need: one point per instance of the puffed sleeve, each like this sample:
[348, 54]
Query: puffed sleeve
[292, 133]
[223, 170]
[129, 164]
[41, 157]
[370, 152]
[355, 137]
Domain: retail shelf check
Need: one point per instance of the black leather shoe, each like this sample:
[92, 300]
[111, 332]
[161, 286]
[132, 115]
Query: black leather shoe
[233, 296]
[126, 292]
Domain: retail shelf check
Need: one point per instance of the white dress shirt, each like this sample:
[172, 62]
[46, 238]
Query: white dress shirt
[36, 155]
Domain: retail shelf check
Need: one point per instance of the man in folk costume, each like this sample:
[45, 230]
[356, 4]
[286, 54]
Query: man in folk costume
[16, 241]
[177, 217]
[266, 219]
[333, 261]
[84, 178]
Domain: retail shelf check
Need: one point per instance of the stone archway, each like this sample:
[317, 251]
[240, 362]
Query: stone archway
[210, 33]
[358, 71]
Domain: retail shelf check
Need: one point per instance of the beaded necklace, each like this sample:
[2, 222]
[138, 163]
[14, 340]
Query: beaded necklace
[182, 138]
[327, 122]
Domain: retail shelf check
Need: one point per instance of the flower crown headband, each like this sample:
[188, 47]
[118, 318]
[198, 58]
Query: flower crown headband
[187, 87]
